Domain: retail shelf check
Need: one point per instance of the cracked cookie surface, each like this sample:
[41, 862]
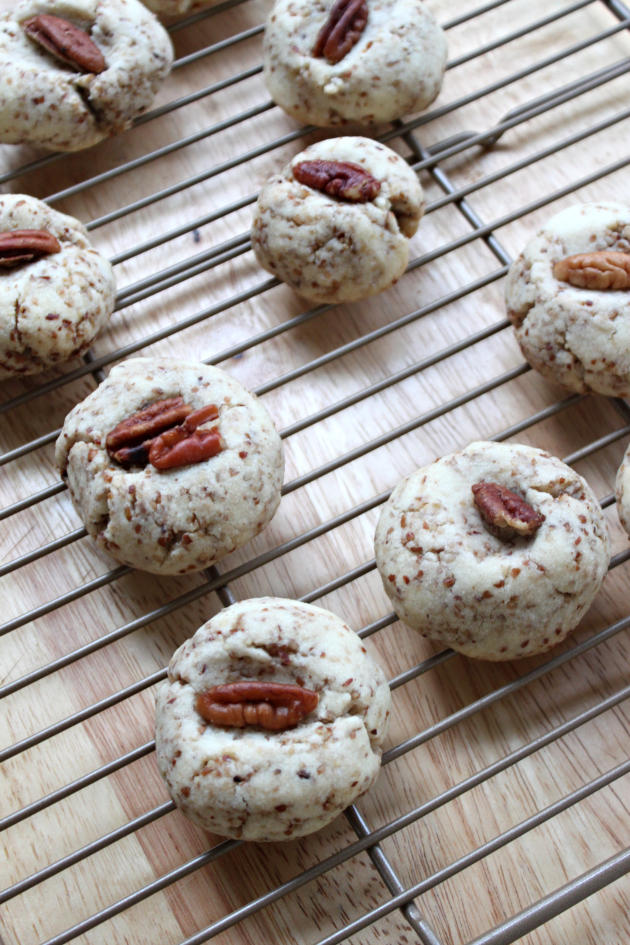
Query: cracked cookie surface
[451, 579]
[395, 68]
[330, 249]
[44, 101]
[51, 308]
[252, 784]
[186, 518]
[578, 337]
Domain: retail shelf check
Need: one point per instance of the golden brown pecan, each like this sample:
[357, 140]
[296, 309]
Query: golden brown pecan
[603, 270]
[340, 179]
[156, 434]
[504, 512]
[274, 706]
[22, 246]
[341, 31]
[66, 42]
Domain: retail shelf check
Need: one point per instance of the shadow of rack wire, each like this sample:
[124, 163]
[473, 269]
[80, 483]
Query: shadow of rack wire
[406, 898]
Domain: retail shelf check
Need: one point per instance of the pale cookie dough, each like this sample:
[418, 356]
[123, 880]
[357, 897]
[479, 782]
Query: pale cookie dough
[52, 308]
[622, 491]
[396, 67]
[329, 249]
[43, 101]
[186, 518]
[452, 580]
[253, 784]
[579, 338]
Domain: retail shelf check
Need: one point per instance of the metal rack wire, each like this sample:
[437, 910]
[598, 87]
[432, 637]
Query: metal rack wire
[422, 159]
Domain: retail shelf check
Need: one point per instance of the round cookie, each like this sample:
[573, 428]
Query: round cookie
[197, 505]
[333, 248]
[574, 335]
[44, 100]
[449, 575]
[52, 306]
[395, 68]
[253, 783]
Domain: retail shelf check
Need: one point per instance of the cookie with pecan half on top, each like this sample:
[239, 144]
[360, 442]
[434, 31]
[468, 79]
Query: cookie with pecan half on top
[497, 550]
[335, 224]
[568, 297]
[334, 62]
[73, 72]
[56, 291]
[171, 465]
[271, 721]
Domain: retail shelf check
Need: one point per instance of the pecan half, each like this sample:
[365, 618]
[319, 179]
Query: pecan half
[603, 270]
[274, 706]
[148, 422]
[504, 512]
[157, 435]
[342, 30]
[340, 179]
[66, 42]
[22, 246]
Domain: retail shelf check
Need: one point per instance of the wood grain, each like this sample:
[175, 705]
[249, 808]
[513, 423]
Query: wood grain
[509, 879]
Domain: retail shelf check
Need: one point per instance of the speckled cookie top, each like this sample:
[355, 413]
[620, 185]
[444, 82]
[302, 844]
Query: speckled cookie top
[184, 518]
[44, 101]
[451, 578]
[260, 785]
[579, 337]
[51, 308]
[21, 212]
[395, 67]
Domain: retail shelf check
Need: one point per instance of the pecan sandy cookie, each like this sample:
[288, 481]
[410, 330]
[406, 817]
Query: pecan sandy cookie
[497, 550]
[568, 298]
[171, 465]
[335, 224]
[366, 61]
[73, 72]
[271, 721]
[56, 291]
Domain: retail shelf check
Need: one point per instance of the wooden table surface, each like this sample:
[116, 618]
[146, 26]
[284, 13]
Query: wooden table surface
[496, 887]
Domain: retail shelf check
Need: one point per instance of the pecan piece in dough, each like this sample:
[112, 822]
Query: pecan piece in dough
[66, 42]
[340, 179]
[156, 434]
[22, 246]
[341, 31]
[273, 706]
[505, 513]
[603, 270]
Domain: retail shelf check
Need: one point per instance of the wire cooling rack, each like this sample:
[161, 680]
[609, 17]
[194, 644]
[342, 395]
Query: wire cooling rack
[502, 802]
